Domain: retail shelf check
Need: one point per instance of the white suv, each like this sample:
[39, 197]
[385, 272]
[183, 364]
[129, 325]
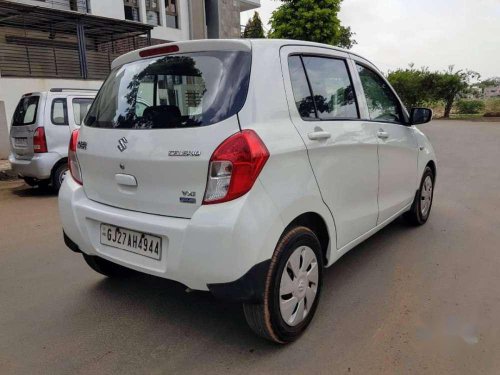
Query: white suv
[243, 168]
[41, 127]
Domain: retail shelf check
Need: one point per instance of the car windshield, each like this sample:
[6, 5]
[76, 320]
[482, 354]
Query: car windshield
[26, 111]
[175, 91]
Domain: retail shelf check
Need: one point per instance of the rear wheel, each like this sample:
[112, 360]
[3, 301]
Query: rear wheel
[58, 176]
[107, 268]
[292, 290]
[422, 205]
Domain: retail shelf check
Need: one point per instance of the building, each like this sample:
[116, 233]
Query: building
[492, 92]
[71, 43]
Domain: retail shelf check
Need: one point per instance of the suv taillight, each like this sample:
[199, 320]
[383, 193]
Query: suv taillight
[74, 165]
[234, 167]
[39, 141]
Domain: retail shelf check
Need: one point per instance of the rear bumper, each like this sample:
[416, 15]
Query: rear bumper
[222, 248]
[39, 167]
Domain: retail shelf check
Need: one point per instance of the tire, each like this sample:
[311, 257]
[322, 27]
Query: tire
[30, 181]
[58, 176]
[422, 204]
[275, 318]
[107, 268]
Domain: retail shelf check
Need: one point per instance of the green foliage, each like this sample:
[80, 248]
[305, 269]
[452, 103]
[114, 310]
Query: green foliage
[418, 87]
[311, 20]
[413, 86]
[470, 106]
[254, 28]
[490, 82]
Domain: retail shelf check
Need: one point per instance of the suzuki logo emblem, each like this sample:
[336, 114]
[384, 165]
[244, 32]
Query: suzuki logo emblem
[122, 144]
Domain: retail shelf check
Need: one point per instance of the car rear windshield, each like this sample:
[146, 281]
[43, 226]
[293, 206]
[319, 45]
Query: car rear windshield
[26, 111]
[175, 91]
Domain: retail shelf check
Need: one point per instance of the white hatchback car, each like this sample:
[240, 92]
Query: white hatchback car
[41, 127]
[243, 168]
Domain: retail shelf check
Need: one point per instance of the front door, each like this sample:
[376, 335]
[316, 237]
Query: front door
[342, 149]
[398, 148]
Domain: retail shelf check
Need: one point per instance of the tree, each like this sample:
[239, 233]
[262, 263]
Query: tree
[254, 28]
[490, 82]
[413, 86]
[311, 20]
[449, 85]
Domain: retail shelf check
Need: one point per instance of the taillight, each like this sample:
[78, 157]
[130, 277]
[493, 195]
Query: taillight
[39, 141]
[235, 166]
[74, 165]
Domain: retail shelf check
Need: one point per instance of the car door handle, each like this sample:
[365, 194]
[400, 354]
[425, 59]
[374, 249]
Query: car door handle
[319, 135]
[382, 134]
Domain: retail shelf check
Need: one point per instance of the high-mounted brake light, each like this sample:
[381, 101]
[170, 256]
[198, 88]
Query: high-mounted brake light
[74, 165]
[39, 141]
[158, 51]
[234, 167]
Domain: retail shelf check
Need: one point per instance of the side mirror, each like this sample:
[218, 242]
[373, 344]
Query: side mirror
[420, 116]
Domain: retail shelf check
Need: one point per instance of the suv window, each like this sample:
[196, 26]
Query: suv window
[332, 88]
[59, 112]
[174, 91]
[26, 111]
[80, 108]
[383, 105]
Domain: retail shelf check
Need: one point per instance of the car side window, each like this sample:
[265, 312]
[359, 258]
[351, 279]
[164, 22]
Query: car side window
[301, 90]
[80, 108]
[332, 88]
[59, 112]
[382, 104]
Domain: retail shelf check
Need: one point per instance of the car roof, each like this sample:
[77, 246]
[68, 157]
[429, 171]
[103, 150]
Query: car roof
[226, 44]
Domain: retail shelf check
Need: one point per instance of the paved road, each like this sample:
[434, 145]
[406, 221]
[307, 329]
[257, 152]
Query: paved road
[408, 300]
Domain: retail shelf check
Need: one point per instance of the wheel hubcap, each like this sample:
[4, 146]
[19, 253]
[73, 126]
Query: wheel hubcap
[299, 285]
[62, 176]
[426, 196]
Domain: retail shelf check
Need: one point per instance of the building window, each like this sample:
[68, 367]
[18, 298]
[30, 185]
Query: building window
[153, 12]
[172, 13]
[131, 10]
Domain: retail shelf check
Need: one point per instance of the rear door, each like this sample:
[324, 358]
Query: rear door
[398, 148]
[342, 148]
[24, 123]
[148, 138]
[57, 123]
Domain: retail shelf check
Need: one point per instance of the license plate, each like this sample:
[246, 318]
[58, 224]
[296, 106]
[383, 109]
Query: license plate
[21, 142]
[130, 240]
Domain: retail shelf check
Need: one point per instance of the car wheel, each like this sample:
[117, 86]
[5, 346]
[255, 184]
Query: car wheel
[107, 268]
[422, 205]
[58, 176]
[292, 291]
[30, 181]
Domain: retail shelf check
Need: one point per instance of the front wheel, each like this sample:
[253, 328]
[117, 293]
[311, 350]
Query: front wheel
[421, 208]
[292, 289]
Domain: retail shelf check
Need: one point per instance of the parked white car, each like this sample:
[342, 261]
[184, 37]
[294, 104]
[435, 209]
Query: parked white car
[243, 168]
[41, 127]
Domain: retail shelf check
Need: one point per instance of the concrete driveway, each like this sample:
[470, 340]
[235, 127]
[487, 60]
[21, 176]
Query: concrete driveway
[409, 300]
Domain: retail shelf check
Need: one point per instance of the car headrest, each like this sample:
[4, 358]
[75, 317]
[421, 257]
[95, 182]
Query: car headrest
[163, 116]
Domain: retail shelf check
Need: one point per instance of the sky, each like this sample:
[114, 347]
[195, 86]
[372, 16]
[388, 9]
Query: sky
[431, 33]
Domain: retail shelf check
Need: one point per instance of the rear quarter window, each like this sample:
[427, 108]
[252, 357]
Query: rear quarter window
[26, 111]
[59, 112]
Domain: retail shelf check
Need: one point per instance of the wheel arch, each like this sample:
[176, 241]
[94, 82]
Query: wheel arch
[432, 165]
[317, 224]
[61, 161]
